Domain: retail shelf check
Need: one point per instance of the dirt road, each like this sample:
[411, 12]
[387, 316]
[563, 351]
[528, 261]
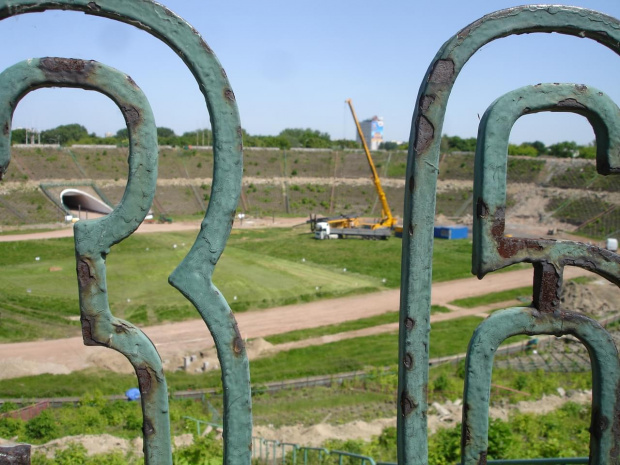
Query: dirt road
[175, 339]
[146, 228]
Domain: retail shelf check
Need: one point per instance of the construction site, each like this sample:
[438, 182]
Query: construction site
[544, 194]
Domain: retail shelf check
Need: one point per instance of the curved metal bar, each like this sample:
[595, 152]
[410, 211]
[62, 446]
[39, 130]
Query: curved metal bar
[94, 238]
[605, 423]
[491, 250]
[421, 183]
[193, 276]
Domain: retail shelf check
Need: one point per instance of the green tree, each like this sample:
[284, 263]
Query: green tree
[457, 144]
[308, 138]
[346, 144]
[540, 147]
[18, 136]
[388, 146]
[524, 149]
[588, 151]
[563, 149]
[122, 134]
[66, 134]
[165, 132]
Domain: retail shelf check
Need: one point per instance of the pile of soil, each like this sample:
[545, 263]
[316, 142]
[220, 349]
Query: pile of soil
[596, 299]
[100, 444]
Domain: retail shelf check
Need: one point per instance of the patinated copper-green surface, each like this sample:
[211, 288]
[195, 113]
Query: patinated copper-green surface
[605, 424]
[492, 251]
[193, 277]
[421, 183]
[94, 238]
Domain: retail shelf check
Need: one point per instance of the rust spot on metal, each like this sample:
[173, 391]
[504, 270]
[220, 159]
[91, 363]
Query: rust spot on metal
[425, 133]
[237, 343]
[6, 129]
[170, 13]
[131, 81]
[465, 428]
[570, 103]
[87, 332]
[506, 246]
[205, 46]
[15, 455]
[547, 283]
[614, 453]
[132, 115]
[526, 111]
[121, 328]
[85, 277]
[408, 361]
[409, 323]
[482, 460]
[62, 66]
[411, 183]
[426, 102]
[581, 87]
[482, 210]
[224, 73]
[93, 6]
[411, 228]
[147, 427]
[229, 94]
[499, 220]
[239, 131]
[144, 380]
[407, 404]
[442, 72]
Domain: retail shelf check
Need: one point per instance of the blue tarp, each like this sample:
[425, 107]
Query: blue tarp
[133, 394]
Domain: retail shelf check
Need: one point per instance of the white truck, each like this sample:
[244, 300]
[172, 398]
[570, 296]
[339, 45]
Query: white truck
[323, 230]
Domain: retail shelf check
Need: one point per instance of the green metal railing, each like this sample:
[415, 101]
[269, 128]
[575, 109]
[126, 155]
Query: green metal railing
[200, 423]
[95, 238]
[272, 452]
[492, 249]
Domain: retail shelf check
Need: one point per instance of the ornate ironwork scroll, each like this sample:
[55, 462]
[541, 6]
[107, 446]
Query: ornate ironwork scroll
[421, 183]
[193, 276]
[93, 239]
[492, 251]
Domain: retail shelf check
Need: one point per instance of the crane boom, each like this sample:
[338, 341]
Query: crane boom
[387, 220]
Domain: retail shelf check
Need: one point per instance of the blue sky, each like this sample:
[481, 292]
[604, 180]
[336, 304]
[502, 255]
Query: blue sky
[293, 64]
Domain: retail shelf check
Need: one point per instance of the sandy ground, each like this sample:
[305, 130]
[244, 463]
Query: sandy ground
[440, 416]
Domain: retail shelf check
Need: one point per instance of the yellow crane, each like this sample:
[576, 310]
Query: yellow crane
[387, 220]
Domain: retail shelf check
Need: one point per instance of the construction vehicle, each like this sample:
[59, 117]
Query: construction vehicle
[351, 225]
[323, 230]
[387, 220]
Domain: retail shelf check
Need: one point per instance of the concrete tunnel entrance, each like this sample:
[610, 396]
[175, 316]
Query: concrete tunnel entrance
[80, 201]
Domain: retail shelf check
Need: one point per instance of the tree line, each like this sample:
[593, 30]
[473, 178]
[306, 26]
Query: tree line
[70, 134]
[528, 149]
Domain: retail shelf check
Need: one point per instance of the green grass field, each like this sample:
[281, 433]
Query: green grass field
[494, 297]
[353, 325]
[259, 269]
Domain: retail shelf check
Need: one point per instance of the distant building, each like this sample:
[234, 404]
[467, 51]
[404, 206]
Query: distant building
[373, 132]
